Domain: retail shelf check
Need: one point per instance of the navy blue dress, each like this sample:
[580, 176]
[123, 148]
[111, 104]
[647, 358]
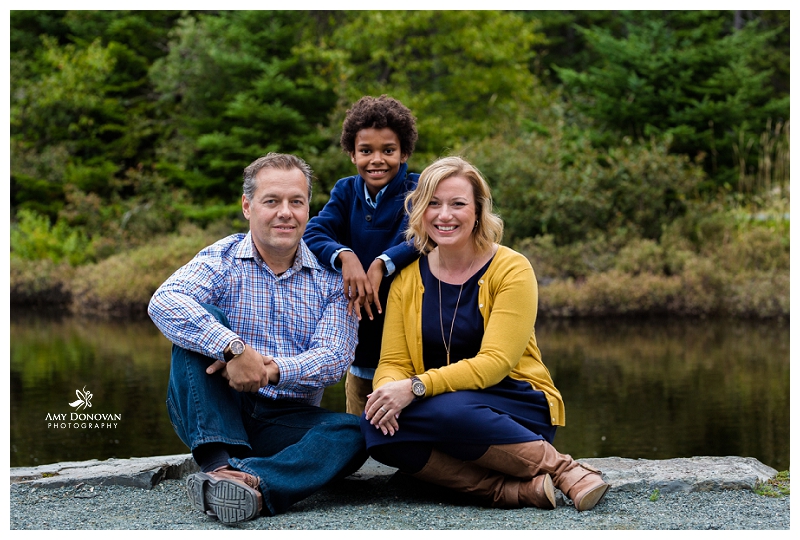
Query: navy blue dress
[508, 412]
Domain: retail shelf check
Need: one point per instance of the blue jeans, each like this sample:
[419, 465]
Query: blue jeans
[295, 449]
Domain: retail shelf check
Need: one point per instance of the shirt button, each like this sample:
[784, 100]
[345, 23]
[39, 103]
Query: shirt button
[480, 305]
[554, 419]
[368, 218]
[481, 281]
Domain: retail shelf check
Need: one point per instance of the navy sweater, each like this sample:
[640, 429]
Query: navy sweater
[348, 221]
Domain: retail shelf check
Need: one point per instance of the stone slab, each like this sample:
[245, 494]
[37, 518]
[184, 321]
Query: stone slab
[624, 474]
[705, 473]
[136, 472]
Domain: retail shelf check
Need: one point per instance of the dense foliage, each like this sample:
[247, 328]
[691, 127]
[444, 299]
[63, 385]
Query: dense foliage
[595, 128]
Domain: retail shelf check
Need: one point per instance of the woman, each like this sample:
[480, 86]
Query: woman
[461, 397]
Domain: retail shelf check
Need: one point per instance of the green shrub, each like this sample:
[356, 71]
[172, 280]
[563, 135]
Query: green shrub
[641, 255]
[558, 184]
[143, 207]
[716, 259]
[698, 286]
[122, 284]
[610, 293]
[701, 287]
[33, 238]
[576, 260]
[39, 283]
[758, 294]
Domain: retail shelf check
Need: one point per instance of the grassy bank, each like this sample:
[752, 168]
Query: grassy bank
[712, 261]
[119, 286]
[730, 262]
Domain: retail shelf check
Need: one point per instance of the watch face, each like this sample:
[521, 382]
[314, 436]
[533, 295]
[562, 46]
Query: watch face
[418, 388]
[237, 347]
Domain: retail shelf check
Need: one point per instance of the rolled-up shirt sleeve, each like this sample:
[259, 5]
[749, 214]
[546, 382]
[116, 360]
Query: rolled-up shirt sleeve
[176, 308]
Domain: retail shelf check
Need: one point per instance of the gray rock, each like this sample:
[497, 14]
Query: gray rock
[702, 493]
[706, 473]
[668, 476]
[134, 472]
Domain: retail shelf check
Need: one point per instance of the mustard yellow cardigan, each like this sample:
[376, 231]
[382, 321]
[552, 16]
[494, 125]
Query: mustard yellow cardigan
[508, 302]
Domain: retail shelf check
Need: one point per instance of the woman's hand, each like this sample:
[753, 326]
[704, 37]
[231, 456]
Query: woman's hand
[384, 405]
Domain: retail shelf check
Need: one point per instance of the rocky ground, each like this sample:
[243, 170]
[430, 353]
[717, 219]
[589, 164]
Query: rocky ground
[698, 493]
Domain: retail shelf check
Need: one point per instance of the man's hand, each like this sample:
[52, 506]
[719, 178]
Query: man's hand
[247, 372]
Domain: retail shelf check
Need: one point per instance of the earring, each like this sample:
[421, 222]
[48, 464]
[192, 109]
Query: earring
[476, 224]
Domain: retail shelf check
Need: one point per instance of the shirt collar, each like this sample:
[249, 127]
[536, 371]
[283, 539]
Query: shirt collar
[370, 202]
[303, 258]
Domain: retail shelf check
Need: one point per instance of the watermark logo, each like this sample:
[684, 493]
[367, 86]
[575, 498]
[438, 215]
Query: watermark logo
[84, 399]
[82, 420]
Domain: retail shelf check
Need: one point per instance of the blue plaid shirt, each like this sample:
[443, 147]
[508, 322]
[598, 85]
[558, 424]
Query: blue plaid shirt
[300, 317]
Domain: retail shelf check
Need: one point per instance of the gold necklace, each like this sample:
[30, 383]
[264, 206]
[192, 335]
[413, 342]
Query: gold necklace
[455, 311]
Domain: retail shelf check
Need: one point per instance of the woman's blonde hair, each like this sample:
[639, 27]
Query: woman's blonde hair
[488, 228]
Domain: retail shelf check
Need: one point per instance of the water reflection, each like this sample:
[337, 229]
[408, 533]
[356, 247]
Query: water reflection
[641, 389]
[658, 389]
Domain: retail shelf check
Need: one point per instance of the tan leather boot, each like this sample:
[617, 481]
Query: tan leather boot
[492, 487]
[581, 483]
[584, 485]
[538, 491]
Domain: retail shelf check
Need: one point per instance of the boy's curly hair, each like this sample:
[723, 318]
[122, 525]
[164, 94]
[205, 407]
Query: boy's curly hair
[382, 112]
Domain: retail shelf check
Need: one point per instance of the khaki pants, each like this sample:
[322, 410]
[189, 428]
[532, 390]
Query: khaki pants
[356, 390]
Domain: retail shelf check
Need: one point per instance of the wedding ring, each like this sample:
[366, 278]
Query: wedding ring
[384, 410]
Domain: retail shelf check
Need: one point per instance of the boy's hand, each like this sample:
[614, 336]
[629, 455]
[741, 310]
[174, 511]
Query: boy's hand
[357, 288]
[374, 276]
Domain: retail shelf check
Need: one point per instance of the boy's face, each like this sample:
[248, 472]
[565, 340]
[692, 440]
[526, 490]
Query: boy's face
[377, 157]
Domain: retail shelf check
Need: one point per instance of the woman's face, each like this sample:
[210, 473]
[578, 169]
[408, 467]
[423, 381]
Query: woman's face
[450, 217]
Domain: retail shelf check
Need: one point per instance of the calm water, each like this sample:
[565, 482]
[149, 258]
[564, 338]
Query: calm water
[652, 389]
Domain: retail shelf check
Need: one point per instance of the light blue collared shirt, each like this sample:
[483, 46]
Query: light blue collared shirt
[299, 317]
[370, 202]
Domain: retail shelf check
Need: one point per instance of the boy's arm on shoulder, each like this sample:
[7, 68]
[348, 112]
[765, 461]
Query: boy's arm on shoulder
[327, 230]
[402, 254]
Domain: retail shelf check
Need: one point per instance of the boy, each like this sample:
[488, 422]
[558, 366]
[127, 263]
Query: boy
[360, 230]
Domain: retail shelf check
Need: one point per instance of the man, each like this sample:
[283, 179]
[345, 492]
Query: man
[259, 329]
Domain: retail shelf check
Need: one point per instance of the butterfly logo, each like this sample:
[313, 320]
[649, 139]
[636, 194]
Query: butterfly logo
[84, 399]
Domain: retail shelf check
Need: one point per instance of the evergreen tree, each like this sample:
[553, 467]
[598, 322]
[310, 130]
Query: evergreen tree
[232, 89]
[689, 75]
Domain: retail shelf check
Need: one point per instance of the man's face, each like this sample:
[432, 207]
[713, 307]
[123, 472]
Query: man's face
[278, 213]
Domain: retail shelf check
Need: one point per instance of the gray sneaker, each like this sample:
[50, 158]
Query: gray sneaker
[229, 495]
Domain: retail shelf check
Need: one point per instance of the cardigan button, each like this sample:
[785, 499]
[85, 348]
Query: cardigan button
[368, 218]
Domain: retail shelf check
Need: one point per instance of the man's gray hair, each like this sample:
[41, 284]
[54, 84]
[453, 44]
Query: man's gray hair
[285, 162]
